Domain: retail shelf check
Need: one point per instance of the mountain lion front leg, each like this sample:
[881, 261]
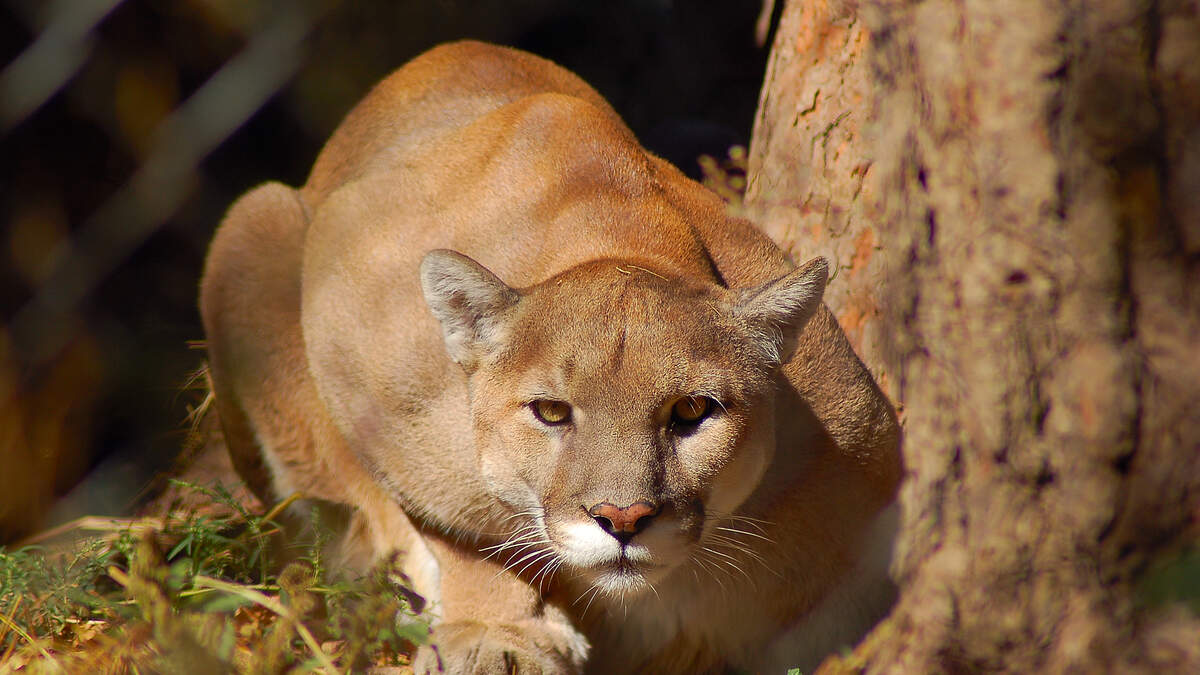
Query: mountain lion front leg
[492, 621]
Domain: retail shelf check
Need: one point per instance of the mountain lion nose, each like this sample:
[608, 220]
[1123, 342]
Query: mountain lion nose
[623, 523]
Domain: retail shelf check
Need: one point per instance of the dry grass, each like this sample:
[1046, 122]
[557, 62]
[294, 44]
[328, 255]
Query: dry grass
[727, 176]
[195, 591]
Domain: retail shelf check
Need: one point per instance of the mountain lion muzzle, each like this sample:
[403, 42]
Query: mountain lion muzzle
[609, 427]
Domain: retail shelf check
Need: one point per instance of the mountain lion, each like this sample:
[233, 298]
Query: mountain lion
[609, 427]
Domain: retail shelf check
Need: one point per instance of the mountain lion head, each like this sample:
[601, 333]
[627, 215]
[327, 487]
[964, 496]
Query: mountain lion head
[619, 412]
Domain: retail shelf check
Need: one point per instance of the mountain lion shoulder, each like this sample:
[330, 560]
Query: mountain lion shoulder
[609, 427]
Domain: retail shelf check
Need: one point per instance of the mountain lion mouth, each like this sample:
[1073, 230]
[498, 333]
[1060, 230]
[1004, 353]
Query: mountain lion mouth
[581, 551]
[623, 577]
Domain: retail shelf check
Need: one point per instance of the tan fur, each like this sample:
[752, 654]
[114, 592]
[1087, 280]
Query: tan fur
[352, 364]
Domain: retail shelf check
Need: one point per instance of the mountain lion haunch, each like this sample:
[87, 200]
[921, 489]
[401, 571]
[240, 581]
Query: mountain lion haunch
[609, 427]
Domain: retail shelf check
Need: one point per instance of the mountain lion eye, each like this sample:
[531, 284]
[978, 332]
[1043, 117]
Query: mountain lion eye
[551, 412]
[690, 410]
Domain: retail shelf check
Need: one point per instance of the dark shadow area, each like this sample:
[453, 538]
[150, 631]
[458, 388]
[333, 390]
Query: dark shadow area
[97, 310]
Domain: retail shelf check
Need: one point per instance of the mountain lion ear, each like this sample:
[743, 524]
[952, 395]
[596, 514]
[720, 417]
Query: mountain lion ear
[777, 310]
[470, 302]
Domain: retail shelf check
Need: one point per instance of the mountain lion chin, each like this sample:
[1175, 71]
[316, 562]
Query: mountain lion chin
[622, 579]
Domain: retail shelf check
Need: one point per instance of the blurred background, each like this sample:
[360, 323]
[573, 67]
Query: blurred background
[127, 127]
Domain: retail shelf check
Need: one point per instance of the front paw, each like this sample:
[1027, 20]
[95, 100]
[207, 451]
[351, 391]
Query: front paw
[501, 649]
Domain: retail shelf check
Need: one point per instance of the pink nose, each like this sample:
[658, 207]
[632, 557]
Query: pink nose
[623, 523]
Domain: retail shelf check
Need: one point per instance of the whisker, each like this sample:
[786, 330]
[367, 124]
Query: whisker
[596, 591]
[510, 563]
[723, 555]
[511, 542]
[515, 548]
[518, 535]
[547, 573]
[523, 537]
[732, 562]
[589, 589]
[532, 554]
[534, 514]
[747, 533]
[736, 545]
[712, 573]
[526, 527]
[654, 590]
[528, 513]
[541, 556]
[756, 523]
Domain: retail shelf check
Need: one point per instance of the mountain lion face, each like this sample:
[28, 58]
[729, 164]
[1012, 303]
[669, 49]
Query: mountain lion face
[619, 412]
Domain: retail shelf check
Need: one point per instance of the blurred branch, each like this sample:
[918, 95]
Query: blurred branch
[53, 59]
[271, 58]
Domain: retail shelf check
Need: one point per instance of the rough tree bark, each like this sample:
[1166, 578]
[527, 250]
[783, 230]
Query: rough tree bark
[1011, 191]
[809, 184]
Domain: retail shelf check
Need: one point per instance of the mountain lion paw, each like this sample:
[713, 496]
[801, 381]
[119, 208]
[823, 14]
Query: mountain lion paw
[500, 649]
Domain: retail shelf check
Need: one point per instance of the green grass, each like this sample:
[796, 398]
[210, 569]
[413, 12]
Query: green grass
[198, 593]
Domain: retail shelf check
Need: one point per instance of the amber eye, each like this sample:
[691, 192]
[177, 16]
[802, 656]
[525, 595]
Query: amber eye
[690, 410]
[551, 412]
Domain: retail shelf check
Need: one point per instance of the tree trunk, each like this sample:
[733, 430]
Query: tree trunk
[809, 181]
[1011, 191]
